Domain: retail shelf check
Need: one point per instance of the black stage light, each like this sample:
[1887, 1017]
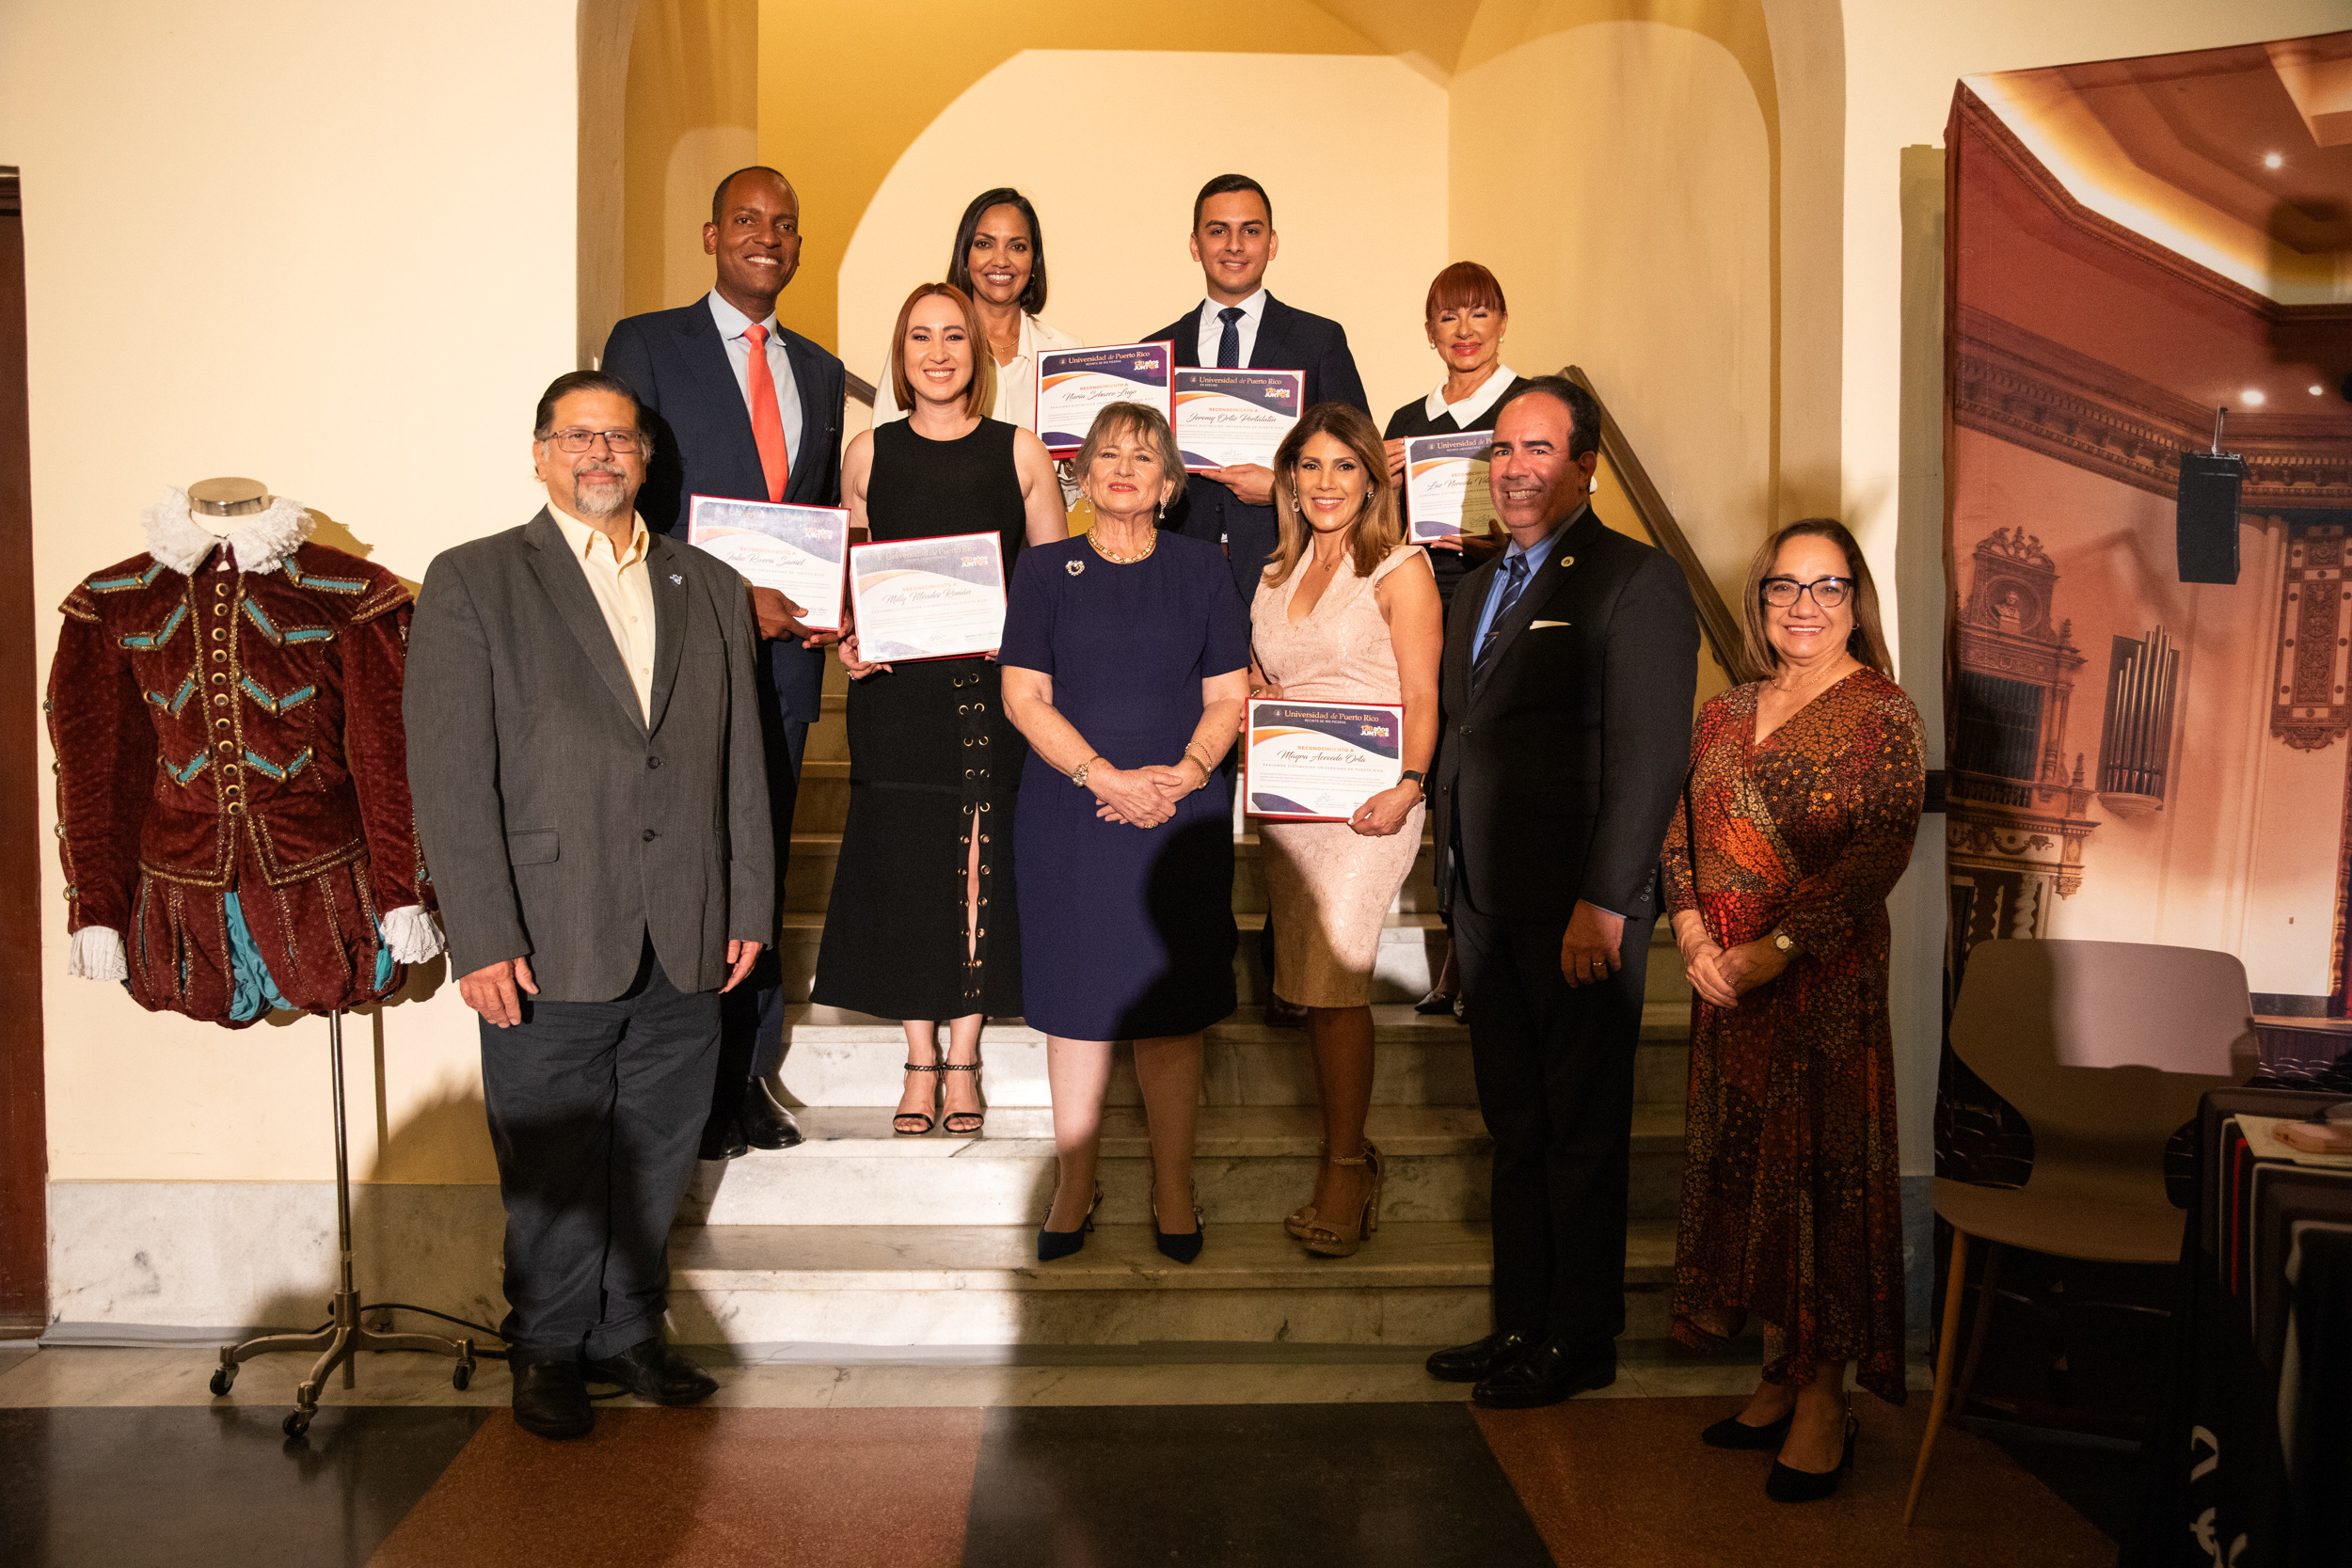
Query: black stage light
[2206, 521]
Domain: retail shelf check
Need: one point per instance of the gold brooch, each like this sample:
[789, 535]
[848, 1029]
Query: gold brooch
[1073, 568]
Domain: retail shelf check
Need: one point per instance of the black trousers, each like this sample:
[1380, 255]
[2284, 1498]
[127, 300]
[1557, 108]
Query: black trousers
[595, 1109]
[751, 1017]
[1554, 1064]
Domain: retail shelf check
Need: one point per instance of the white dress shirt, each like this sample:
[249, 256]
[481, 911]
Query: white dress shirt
[1475, 406]
[779, 366]
[1016, 382]
[1213, 330]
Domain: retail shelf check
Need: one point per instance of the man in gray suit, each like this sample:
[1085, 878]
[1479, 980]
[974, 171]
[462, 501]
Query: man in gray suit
[591, 794]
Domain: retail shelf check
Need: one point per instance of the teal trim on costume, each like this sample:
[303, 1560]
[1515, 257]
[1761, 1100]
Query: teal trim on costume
[149, 639]
[331, 585]
[172, 704]
[281, 774]
[115, 585]
[311, 634]
[252, 987]
[383, 959]
[184, 773]
[254, 689]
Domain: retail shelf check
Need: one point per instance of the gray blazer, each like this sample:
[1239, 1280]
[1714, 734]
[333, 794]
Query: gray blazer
[556, 823]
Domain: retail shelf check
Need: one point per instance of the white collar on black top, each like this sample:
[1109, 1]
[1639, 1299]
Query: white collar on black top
[261, 542]
[1475, 405]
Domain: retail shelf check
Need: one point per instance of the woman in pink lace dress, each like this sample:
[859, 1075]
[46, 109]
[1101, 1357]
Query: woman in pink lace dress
[1346, 613]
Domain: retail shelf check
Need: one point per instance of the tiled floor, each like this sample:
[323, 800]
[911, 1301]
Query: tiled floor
[122, 1457]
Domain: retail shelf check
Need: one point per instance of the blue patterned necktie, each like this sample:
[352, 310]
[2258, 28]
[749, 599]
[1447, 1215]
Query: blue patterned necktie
[1228, 341]
[1517, 566]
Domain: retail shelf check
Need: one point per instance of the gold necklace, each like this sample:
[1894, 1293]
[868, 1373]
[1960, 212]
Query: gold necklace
[1094, 537]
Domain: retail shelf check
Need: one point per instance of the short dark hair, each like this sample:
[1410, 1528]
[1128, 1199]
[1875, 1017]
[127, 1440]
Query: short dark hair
[959, 260]
[720, 194]
[1226, 184]
[1583, 410]
[543, 424]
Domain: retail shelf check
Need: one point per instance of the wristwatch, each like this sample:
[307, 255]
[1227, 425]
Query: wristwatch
[1784, 942]
[1418, 777]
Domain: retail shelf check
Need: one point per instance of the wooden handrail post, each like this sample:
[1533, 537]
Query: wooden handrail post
[1723, 633]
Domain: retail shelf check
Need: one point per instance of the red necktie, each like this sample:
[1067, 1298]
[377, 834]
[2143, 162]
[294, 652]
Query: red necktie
[767, 419]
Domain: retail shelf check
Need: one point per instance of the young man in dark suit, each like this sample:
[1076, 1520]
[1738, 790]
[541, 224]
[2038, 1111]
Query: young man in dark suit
[1242, 326]
[1566, 685]
[743, 408]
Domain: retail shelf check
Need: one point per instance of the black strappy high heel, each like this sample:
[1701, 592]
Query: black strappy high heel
[928, 1122]
[1061, 1243]
[977, 1118]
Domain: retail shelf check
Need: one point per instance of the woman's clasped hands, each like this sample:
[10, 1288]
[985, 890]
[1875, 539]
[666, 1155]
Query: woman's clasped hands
[1142, 796]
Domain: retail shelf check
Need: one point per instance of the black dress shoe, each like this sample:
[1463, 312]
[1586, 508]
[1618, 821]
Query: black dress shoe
[654, 1373]
[1547, 1374]
[551, 1399]
[1480, 1359]
[722, 1137]
[1786, 1485]
[1733, 1433]
[764, 1123]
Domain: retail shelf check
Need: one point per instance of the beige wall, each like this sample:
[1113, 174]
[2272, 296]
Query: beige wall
[1617, 177]
[332, 247]
[693, 118]
[1334, 139]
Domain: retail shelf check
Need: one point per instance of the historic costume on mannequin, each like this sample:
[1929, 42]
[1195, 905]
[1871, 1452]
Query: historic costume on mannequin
[232, 784]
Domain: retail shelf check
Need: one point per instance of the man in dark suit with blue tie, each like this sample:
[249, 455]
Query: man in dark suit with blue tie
[1242, 326]
[745, 408]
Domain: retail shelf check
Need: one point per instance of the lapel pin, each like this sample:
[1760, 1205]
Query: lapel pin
[1073, 568]
[1565, 562]
[674, 577]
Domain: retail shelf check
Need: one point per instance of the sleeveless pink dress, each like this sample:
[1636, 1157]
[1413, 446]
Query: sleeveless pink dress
[1330, 887]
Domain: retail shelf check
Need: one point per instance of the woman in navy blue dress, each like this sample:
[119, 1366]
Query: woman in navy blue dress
[1125, 663]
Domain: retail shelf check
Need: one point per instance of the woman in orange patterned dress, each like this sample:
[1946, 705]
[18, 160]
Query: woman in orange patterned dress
[1803, 795]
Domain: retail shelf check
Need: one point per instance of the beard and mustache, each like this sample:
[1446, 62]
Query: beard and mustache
[600, 490]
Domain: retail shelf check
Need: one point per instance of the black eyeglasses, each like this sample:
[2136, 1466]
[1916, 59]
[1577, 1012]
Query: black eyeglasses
[1829, 592]
[621, 443]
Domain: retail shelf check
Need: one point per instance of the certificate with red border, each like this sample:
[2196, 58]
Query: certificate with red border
[799, 551]
[1319, 762]
[1073, 384]
[927, 599]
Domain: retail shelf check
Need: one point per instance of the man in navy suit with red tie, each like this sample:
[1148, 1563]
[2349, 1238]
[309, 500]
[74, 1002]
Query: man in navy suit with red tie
[745, 408]
[1240, 326]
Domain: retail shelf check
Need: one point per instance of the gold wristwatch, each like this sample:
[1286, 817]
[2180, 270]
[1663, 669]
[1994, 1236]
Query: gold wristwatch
[1078, 774]
[1784, 943]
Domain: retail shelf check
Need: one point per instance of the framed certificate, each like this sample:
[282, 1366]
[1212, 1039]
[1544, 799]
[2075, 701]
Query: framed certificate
[1075, 384]
[927, 599]
[1445, 486]
[799, 551]
[1229, 417]
[1318, 762]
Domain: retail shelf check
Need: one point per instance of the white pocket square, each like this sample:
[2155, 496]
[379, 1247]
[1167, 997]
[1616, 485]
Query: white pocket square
[1538, 625]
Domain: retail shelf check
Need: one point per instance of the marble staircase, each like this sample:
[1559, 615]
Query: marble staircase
[859, 1238]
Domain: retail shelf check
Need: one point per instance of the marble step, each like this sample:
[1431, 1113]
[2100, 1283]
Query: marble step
[822, 804]
[1411, 950]
[817, 854]
[1414, 1283]
[1252, 1164]
[836, 1058]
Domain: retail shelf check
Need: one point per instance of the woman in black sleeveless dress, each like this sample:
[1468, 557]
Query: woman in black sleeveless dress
[922, 924]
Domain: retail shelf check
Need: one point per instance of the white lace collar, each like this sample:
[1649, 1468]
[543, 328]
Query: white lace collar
[262, 543]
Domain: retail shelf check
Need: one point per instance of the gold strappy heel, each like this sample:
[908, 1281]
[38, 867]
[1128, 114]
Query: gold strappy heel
[1322, 1240]
[1297, 1221]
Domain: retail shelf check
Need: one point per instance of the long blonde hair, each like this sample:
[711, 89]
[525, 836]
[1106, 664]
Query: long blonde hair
[1376, 529]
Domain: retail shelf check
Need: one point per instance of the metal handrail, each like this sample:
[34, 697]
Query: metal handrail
[1658, 520]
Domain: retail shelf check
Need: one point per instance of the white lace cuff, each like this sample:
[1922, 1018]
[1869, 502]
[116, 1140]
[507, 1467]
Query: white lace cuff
[97, 955]
[412, 934]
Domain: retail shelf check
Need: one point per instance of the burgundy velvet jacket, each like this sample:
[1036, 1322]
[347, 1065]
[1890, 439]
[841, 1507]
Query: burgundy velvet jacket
[237, 735]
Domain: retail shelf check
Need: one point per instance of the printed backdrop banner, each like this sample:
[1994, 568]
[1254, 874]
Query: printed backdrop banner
[2134, 758]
